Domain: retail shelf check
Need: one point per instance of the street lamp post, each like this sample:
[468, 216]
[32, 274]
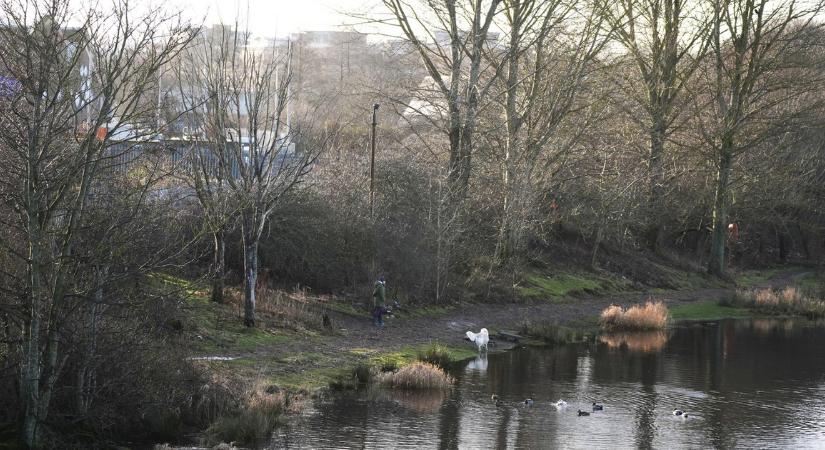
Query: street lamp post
[372, 161]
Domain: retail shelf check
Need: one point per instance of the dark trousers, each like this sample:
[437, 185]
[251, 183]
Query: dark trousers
[378, 316]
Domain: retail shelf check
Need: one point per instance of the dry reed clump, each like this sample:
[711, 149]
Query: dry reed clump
[789, 300]
[651, 316]
[418, 375]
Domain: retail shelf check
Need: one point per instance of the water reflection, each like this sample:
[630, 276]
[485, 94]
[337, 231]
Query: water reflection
[427, 401]
[752, 384]
[644, 342]
[479, 364]
[769, 326]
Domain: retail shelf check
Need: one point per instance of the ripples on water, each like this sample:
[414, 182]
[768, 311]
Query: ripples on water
[751, 384]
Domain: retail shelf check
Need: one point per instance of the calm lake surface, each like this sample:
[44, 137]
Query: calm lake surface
[750, 384]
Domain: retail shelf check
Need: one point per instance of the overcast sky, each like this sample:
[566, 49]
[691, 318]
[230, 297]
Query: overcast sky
[278, 17]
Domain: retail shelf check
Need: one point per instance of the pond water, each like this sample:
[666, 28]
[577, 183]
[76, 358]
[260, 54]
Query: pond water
[745, 383]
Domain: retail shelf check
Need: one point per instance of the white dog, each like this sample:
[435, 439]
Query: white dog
[481, 338]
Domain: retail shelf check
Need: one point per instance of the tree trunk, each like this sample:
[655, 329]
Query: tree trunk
[656, 180]
[508, 240]
[86, 373]
[716, 265]
[783, 248]
[250, 259]
[219, 265]
[596, 244]
[32, 364]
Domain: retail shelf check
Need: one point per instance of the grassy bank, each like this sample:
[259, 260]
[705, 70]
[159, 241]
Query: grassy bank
[707, 310]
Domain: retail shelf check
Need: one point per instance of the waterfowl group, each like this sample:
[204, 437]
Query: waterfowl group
[561, 404]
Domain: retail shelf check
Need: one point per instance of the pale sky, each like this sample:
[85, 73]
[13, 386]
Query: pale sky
[278, 17]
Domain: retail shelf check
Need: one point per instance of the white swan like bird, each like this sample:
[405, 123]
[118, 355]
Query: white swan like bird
[481, 338]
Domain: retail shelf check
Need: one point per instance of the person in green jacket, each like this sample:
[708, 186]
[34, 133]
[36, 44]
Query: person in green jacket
[379, 299]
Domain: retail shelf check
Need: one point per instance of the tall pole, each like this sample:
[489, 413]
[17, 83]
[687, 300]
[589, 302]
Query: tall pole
[372, 161]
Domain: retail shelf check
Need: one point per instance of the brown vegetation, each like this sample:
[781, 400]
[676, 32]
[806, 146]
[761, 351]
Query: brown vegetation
[418, 375]
[251, 419]
[651, 316]
[790, 301]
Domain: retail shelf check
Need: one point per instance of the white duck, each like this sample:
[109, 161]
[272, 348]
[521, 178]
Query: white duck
[481, 338]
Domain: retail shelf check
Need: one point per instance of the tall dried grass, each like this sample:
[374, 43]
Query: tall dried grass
[296, 310]
[651, 316]
[252, 423]
[790, 301]
[418, 375]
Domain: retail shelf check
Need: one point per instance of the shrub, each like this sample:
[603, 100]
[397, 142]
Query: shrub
[254, 423]
[362, 373]
[387, 363]
[651, 316]
[435, 354]
[418, 375]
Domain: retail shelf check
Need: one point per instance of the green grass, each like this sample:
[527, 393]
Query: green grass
[706, 310]
[233, 338]
[406, 355]
[558, 287]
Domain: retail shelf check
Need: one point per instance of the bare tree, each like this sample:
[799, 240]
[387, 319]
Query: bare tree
[666, 41]
[451, 36]
[551, 48]
[71, 82]
[249, 150]
[755, 75]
